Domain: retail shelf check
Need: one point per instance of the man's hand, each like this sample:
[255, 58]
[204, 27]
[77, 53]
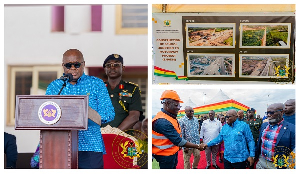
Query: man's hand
[251, 160]
[202, 146]
[186, 150]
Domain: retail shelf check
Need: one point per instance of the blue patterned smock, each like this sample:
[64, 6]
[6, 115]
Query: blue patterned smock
[236, 138]
[99, 100]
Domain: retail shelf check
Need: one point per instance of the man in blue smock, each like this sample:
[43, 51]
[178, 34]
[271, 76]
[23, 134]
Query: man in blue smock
[236, 135]
[90, 142]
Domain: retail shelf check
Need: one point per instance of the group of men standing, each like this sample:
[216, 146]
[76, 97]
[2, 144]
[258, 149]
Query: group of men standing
[247, 141]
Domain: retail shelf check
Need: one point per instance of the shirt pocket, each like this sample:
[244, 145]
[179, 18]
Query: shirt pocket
[127, 101]
[239, 137]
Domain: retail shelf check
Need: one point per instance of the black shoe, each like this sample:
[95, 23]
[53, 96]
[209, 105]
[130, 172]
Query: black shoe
[215, 166]
[207, 167]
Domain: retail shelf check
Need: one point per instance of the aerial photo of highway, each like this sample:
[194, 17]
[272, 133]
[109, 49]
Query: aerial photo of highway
[210, 65]
[262, 65]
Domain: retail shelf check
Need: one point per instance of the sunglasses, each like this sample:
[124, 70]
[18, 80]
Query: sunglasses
[227, 117]
[69, 65]
[272, 112]
[109, 65]
[190, 111]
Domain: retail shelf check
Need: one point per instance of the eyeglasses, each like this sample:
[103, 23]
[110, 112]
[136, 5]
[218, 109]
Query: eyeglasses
[272, 112]
[69, 65]
[177, 105]
[190, 111]
[109, 65]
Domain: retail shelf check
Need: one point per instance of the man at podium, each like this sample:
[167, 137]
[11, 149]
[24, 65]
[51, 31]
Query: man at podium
[90, 142]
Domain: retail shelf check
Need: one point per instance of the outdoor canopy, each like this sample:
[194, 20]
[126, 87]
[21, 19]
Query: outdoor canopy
[217, 107]
[220, 103]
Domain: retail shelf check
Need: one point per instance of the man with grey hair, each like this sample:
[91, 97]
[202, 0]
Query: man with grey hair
[190, 132]
[237, 136]
[276, 138]
[210, 129]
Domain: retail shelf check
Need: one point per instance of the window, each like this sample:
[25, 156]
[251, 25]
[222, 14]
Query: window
[58, 21]
[96, 15]
[31, 80]
[58, 18]
[132, 19]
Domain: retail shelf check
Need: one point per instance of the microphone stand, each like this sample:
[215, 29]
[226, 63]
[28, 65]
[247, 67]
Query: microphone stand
[64, 85]
[65, 77]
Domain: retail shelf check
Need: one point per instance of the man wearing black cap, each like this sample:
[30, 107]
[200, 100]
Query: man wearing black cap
[254, 125]
[125, 96]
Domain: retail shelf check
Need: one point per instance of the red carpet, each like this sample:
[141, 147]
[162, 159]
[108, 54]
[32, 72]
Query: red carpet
[202, 162]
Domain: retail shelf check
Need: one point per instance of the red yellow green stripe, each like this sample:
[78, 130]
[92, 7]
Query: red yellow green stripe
[167, 73]
[217, 107]
[182, 78]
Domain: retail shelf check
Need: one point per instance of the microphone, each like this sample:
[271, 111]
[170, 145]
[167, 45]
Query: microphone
[66, 77]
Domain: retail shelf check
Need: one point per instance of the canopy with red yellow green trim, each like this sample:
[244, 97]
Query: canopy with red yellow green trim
[217, 107]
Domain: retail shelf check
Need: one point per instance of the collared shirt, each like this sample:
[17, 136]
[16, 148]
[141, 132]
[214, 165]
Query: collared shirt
[241, 119]
[236, 138]
[163, 126]
[269, 138]
[290, 119]
[90, 139]
[210, 129]
[190, 129]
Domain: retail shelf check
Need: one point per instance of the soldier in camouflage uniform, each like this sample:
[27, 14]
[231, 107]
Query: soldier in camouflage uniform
[254, 125]
[125, 96]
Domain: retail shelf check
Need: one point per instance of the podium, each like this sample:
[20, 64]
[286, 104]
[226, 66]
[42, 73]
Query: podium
[59, 117]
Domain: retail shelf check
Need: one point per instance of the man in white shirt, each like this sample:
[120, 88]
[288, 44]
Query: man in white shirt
[210, 129]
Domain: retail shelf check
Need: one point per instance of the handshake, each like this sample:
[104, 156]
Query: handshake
[201, 146]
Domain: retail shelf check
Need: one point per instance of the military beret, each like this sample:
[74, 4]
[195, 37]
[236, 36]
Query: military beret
[252, 109]
[113, 57]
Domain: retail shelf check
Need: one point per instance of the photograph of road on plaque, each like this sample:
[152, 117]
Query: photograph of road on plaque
[210, 65]
[264, 65]
[265, 35]
[210, 35]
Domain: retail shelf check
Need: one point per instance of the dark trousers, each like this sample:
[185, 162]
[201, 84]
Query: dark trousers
[238, 165]
[90, 160]
[167, 162]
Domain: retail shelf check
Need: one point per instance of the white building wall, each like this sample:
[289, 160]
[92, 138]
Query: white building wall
[28, 40]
